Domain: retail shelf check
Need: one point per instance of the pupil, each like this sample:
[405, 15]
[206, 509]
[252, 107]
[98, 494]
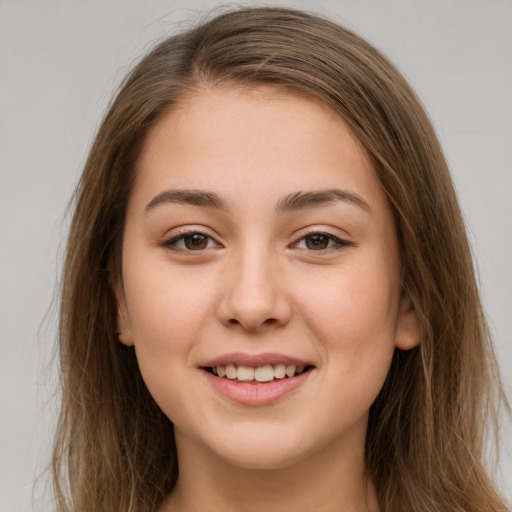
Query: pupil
[316, 242]
[196, 241]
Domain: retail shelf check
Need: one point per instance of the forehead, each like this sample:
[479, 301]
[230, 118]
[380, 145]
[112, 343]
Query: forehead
[253, 148]
[262, 137]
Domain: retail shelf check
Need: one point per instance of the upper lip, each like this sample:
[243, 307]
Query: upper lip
[254, 360]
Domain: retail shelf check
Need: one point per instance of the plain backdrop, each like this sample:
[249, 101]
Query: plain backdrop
[60, 62]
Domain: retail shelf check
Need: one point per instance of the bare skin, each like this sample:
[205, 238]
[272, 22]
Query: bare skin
[303, 487]
[257, 237]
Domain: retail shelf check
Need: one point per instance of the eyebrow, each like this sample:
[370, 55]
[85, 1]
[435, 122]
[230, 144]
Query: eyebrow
[303, 200]
[199, 198]
[292, 202]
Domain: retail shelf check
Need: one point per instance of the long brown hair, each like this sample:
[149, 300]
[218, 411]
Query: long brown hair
[114, 448]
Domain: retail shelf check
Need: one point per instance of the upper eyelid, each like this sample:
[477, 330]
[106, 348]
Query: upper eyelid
[179, 236]
[180, 231]
[339, 240]
[324, 230]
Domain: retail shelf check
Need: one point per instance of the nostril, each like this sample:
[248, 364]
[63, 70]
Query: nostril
[269, 322]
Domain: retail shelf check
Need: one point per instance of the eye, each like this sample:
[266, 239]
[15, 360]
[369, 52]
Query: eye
[320, 242]
[191, 241]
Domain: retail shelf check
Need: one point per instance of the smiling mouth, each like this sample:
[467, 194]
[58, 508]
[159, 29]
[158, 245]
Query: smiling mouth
[262, 374]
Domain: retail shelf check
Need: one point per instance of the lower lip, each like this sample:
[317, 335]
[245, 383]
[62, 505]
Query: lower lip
[256, 394]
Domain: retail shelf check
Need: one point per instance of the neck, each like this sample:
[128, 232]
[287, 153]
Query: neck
[324, 482]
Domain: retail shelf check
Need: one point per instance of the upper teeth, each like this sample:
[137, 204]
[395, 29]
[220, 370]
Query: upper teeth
[261, 373]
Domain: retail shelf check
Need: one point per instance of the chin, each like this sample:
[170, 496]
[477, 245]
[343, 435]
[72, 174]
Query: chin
[261, 459]
[260, 450]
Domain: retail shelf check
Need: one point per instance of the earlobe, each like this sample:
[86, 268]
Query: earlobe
[123, 329]
[408, 332]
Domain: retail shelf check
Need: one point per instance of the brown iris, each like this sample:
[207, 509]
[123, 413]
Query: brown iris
[317, 242]
[195, 241]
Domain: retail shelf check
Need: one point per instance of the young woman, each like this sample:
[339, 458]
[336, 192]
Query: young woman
[268, 300]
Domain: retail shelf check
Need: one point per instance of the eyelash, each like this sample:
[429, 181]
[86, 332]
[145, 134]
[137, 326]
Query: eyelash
[337, 243]
[171, 243]
[334, 243]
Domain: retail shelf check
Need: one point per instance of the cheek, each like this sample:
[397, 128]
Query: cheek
[165, 314]
[353, 313]
[351, 297]
[165, 304]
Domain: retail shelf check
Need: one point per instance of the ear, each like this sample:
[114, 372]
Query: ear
[408, 331]
[124, 328]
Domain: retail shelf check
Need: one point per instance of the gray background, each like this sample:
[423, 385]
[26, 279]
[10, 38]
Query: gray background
[59, 63]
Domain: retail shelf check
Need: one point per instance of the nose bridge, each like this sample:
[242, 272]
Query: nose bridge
[254, 294]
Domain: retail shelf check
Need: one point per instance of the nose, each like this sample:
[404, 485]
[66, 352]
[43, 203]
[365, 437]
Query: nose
[254, 294]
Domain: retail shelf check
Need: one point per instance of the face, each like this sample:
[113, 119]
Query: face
[260, 284]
